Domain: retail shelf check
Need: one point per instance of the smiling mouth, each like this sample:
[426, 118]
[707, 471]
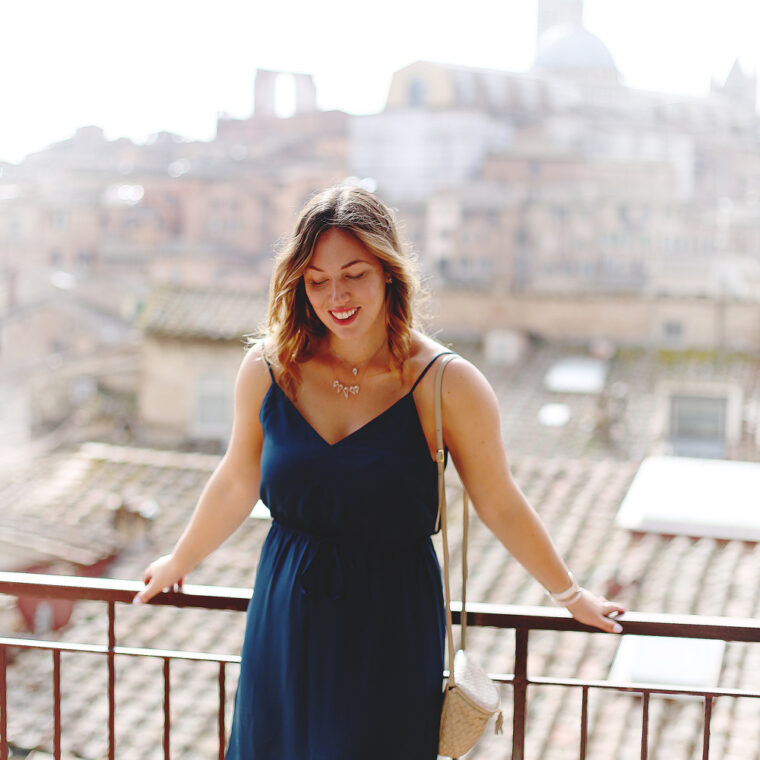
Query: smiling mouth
[344, 316]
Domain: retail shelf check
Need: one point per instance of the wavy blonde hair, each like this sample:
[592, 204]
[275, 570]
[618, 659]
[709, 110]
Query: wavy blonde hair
[292, 328]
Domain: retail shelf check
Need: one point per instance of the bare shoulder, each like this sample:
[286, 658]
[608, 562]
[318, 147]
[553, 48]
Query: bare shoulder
[467, 397]
[423, 350]
[471, 416]
[460, 377]
[253, 378]
[463, 378]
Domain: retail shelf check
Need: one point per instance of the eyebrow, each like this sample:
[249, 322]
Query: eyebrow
[345, 266]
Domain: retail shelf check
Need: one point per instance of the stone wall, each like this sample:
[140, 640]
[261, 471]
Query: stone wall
[679, 323]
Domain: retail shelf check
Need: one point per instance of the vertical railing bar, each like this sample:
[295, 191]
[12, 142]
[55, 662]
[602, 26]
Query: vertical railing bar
[111, 681]
[222, 697]
[706, 739]
[520, 693]
[645, 725]
[3, 704]
[57, 704]
[584, 722]
[167, 708]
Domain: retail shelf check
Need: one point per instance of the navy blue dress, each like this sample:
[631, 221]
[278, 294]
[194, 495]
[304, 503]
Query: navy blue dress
[342, 657]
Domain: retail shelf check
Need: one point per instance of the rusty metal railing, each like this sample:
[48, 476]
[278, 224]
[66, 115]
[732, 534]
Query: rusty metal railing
[112, 592]
[521, 619]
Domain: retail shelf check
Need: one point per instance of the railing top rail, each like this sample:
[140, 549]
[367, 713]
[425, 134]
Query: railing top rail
[641, 623]
[115, 590]
[479, 614]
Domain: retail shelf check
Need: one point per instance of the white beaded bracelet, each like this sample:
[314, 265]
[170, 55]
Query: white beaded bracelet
[569, 596]
[573, 599]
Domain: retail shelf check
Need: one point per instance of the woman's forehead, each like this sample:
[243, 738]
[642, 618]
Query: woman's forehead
[338, 249]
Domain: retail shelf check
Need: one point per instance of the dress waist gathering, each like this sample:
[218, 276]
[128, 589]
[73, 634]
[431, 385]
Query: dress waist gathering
[327, 558]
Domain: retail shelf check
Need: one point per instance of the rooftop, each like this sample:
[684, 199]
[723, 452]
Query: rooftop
[694, 497]
[577, 481]
[212, 314]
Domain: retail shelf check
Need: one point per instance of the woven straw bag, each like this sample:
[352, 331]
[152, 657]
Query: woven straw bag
[470, 696]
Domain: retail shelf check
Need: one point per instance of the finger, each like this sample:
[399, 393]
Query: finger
[144, 596]
[610, 625]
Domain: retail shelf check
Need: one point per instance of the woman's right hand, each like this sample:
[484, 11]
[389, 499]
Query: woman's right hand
[161, 575]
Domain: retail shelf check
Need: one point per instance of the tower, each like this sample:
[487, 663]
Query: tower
[554, 12]
[265, 86]
[306, 93]
[740, 86]
[265, 91]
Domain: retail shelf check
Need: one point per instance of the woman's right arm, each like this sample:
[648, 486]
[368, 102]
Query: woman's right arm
[231, 491]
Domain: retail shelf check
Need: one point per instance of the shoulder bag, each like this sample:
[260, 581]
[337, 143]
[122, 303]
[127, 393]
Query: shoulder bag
[470, 697]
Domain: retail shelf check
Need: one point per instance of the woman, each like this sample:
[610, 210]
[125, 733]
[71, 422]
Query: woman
[334, 429]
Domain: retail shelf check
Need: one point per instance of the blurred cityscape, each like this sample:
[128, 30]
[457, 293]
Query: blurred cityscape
[594, 248]
[555, 202]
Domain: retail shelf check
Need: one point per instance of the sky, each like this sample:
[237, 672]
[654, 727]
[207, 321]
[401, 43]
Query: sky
[144, 66]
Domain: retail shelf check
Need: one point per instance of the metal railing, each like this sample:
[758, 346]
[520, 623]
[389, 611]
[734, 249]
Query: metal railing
[521, 619]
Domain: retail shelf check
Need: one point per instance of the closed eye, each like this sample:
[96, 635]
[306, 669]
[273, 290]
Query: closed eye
[317, 283]
[355, 276]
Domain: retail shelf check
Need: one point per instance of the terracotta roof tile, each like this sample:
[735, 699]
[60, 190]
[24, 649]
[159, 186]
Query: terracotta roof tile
[575, 483]
[213, 313]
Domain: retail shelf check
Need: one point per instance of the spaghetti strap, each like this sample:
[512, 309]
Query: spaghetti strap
[429, 365]
[270, 368]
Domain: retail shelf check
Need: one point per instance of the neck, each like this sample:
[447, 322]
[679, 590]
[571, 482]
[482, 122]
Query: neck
[358, 352]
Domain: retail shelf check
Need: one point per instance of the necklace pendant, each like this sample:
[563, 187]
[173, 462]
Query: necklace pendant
[355, 371]
[346, 390]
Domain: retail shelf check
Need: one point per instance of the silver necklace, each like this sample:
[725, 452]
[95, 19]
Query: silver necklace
[352, 389]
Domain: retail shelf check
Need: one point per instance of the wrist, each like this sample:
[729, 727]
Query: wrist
[182, 565]
[567, 596]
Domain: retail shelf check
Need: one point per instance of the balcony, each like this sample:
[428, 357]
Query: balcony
[521, 691]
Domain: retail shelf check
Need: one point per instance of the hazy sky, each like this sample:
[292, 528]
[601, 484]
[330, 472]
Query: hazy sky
[138, 67]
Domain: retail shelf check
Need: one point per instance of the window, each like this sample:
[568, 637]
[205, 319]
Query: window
[85, 259]
[672, 331]
[213, 406]
[577, 374]
[416, 92]
[697, 425]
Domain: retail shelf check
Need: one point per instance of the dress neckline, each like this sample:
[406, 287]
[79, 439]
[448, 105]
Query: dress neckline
[409, 394]
[363, 426]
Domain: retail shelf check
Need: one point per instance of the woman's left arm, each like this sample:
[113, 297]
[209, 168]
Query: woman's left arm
[472, 432]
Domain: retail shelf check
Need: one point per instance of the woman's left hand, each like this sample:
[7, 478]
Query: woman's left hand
[596, 610]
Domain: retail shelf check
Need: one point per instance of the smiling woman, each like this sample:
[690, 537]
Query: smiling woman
[345, 247]
[335, 430]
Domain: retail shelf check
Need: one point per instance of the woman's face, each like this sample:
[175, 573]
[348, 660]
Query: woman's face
[345, 285]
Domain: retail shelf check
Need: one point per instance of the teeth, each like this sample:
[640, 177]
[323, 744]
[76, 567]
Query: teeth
[344, 314]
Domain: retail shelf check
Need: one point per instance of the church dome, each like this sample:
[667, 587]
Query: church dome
[572, 49]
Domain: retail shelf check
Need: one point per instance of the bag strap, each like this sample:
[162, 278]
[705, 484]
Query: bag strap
[440, 458]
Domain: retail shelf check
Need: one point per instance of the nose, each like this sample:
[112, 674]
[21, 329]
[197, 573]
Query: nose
[339, 291]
